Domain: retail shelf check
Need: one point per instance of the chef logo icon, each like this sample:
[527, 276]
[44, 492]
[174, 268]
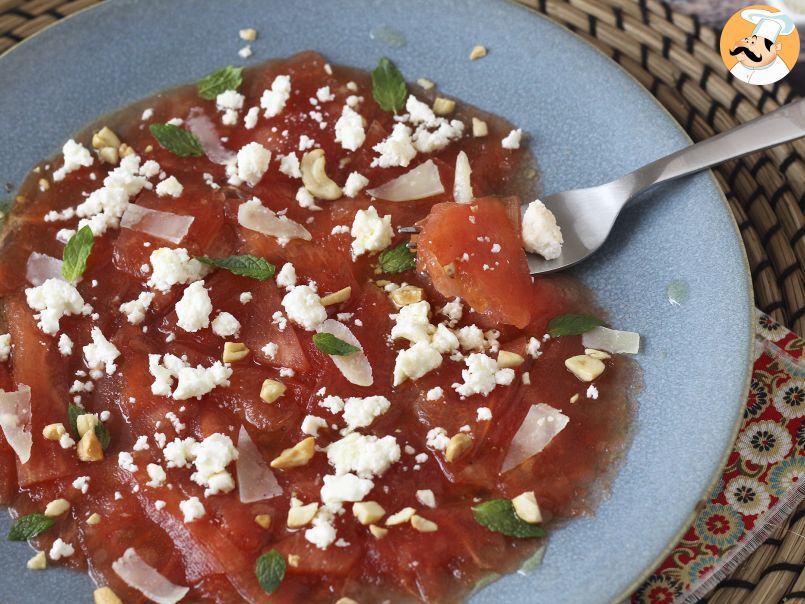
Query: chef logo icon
[759, 45]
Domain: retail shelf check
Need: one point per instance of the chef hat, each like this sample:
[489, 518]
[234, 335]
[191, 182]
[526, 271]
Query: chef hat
[769, 25]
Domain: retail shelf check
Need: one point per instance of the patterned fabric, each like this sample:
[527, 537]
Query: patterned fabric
[762, 475]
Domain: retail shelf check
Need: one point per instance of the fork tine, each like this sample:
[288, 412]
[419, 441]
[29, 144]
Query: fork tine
[414, 230]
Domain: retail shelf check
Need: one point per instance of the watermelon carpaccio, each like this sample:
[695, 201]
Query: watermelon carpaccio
[167, 485]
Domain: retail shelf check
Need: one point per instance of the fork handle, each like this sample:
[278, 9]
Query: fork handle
[775, 128]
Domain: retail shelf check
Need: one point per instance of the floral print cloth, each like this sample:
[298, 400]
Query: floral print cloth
[763, 481]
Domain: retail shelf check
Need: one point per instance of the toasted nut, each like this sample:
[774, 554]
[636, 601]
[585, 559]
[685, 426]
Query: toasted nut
[423, 525]
[298, 455]
[458, 446]
[293, 560]
[248, 34]
[346, 600]
[574, 398]
[86, 422]
[450, 269]
[56, 508]
[401, 517]
[507, 359]
[526, 508]
[585, 368]
[109, 155]
[479, 128]
[105, 137]
[94, 519]
[368, 512]
[125, 150]
[403, 296]
[263, 520]
[597, 354]
[235, 351]
[425, 83]
[89, 447]
[38, 562]
[443, 106]
[53, 431]
[271, 390]
[342, 295]
[315, 178]
[105, 595]
[44, 184]
[477, 52]
[378, 531]
[301, 515]
[149, 148]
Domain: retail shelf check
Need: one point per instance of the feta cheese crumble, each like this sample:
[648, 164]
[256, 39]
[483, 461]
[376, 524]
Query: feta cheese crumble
[192, 509]
[303, 306]
[174, 267]
[482, 376]
[191, 381]
[5, 347]
[273, 100]
[194, 309]
[361, 412]
[287, 276]
[210, 457]
[512, 139]
[252, 162]
[541, 234]
[100, 354]
[135, 309]
[225, 325]
[55, 299]
[371, 233]
[364, 455]
[60, 550]
[289, 165]
[170, 187]
[355, 184]
[349, 129]
[76, 156]
[65, 345]
[395, 150]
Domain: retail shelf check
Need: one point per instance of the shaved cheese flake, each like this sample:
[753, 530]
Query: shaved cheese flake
[256, 481]
[41, 267]
[612, 340]
[204, 129]
[164, 225]
[15, 421]
[355, 367]
[540, 426]
[255, 216]
[419, 183]
[462, 187]
[140, 576]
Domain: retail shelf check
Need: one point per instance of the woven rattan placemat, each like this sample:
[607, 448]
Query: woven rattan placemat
[677, 60]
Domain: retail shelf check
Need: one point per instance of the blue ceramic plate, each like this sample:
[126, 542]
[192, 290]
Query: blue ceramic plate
[588, 122]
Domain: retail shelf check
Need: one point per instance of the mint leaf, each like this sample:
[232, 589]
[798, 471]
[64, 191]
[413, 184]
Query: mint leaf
[226, 78]
[397, 259]
[329, 344]
[177, 140]
[28, 527]
[270, 570]
[572, 325]
[498, 515]
[76, 253]
[101, 431]
[245, 266]
[388, 86]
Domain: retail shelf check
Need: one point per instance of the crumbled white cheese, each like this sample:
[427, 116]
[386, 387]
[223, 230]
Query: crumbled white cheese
[101, 353]
[126, 461]
[415, 362]
[426, 140]
[55, 299]
[170, 186]
[270, 350]
[395, 150]
[65, 345]
[141, 444]
[312, 424]
[453, 310]
[482, 375]
[245, 52]
[173, 267]
[355, 184]
[230, 102]
[334, 404]
[471, 337]
[361, 412]
[147, 114]
[419, 112]
[225, 325]
[193, 310]
[150, 168]
[287, 276]
[76, 156]
[66, 441]
[541, 234]
[289, 165]
[512, 139]
[60, 550]
[157, 475]
[252, 162]
[434, 394]
[364, 455]
[135, 309]
[532, 348]
[192, 509]
[246, 297]
[483, 414]
[349, 129]
[412, 323]
[370, 232]
[192, 381]
[5, 347]
[437, 439]
[345, 487]
[592, 392]
[273, 101]
[210, 458]
[82, 484]
[322, 533]
[305, 199]
[444, 340]
[303, 306]
[324, 95]
[250, 119]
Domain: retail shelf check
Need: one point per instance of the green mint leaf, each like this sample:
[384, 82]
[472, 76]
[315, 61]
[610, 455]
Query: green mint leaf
[398, 259]
[102, 432]
[226, 78]
[28, 527]
[73, 411]
[245, 266]
[76, 253]
[329, 344]
[270, 570]
[177, 140]
[572, 325]
[498, 515]
[388, 86]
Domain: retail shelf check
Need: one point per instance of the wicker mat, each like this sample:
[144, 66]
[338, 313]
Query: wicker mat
[677, 60]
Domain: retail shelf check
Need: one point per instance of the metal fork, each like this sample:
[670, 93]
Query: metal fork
[586, 216]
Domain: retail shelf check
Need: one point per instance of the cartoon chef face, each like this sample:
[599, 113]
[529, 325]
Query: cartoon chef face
[755, 51]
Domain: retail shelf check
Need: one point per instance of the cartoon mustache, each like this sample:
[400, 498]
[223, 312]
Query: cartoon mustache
[750, 55]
